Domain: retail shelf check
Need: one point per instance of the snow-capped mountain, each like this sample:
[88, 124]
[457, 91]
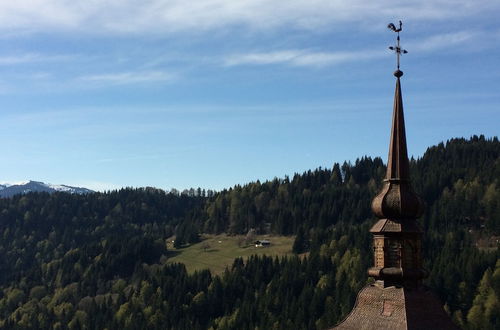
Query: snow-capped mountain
[11, 189]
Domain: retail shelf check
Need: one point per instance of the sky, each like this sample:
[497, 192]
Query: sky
[212, 93]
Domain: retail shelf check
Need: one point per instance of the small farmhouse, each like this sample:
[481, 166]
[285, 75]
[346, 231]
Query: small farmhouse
[260, 243]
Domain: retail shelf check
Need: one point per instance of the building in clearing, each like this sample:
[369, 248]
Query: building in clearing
[397, 299]
[263, 242]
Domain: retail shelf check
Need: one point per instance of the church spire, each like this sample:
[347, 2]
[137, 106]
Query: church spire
[397, 163]
[397, 235]
[397, 200]
[397, 300]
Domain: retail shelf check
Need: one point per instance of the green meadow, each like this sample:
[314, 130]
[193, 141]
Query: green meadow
[216, 252]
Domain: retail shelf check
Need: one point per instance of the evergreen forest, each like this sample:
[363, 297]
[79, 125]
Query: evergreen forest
[100, 260]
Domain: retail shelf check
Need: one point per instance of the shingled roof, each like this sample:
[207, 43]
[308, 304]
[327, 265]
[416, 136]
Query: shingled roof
[394, 308]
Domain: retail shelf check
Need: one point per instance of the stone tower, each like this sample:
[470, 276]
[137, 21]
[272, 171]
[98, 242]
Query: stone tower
[397, 299]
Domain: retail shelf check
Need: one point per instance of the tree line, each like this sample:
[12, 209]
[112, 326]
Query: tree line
[101, 260]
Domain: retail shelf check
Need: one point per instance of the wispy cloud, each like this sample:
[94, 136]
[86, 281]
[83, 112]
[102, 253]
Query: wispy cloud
[296, 57]
[33, 58]
[122, 78]
[169, 16]
[440, 41]
[310, 58]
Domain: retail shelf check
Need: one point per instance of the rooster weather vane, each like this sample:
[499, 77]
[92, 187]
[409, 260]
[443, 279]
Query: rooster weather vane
[397, 49]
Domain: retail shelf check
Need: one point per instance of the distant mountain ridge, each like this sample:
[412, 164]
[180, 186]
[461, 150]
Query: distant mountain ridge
[11, 189]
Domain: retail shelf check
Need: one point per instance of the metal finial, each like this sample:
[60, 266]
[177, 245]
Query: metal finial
[397, 49]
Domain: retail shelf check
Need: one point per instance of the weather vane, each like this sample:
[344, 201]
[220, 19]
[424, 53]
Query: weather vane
[397, 49]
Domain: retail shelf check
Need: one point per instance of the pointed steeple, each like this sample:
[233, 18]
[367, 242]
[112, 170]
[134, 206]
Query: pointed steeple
[397, 164]
[397, 300]
[397, 235]
[397, 200]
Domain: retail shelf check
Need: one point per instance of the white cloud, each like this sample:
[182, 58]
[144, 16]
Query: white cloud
[168, 16]
[283, 56]
[10, 60]
[440, 41]
[123, 78]
[325, 58]
[304, 57]
[32, 58]
[300, 57]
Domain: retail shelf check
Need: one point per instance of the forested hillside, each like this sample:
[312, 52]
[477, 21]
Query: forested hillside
[100, 260]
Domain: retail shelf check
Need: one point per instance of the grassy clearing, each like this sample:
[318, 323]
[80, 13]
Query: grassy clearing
[218, 252]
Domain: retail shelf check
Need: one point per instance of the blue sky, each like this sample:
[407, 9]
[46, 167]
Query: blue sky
[213, 93]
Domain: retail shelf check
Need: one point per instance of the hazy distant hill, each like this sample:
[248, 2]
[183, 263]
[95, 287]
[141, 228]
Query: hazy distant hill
[8, 190]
